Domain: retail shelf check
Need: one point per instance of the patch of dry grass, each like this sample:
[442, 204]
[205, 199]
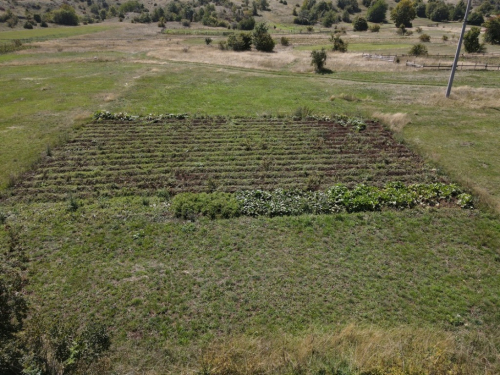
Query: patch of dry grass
[353, 350]
[463, 97]
[395, 121]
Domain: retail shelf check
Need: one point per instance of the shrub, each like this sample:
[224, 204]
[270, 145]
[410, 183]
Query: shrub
[186, 23]
[261, 38]
[346, 17]
[318, 59]
[437, 11]
[403, 14]
[418, 50]
[492, 34]
[445, 38]
[377, 11]
[247, 23]
[215, 205]
[208, 41]
[28, 25]
[338, 44]
[285, 41]
[330, 18]
[359, 24]
[471, 41]
[240, 42]
[475, 18]
[374, 28]
[425, 38]
[37, 18]
[65, 16]
[418, 29]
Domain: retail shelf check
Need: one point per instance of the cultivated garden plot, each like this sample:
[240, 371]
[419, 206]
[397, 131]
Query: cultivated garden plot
[142, 157]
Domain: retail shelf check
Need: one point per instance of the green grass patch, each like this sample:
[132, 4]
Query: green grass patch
[162, 283]
[53, 32]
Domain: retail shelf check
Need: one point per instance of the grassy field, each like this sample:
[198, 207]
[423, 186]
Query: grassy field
[398, 292]
[53, 32]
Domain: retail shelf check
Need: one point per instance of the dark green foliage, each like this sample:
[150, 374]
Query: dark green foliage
[338, 198]
[366, 3]
[131, 6]
[339, 45]
[330, 18]
[318, 59]
[437, 11]
[13, 306]
[144, 17]
[492, 34]
[262, 40]
[403, 14]
[419, 7]
[65, 16]
[247, 23]
[471, 41]
[28, 25]
[359, 24]
[215, 205]
[240, 42]
[351, 6]
[374, 28]
[346, 17]
[418, 50]
[208, 41]
[459, 11]
[37, 18]
[60, 347]
[285, 41]
[377, 11]
[44, 24]
[475, 18]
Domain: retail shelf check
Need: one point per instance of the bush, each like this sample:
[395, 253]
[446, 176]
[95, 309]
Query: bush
[28, 25]
[445, 38]
[425, 38]
[418, 29]
[475, 19]
[338, 44]
[359, 24]
[215, 205]
[186, 23]
[330, 18]
[492, 34]
[65, 16]
[247, 23]
[240, 42]
[377, 11]
[374, 28]
[403, 13]
[418, 50]
[285, 41]
[261, 38]
[37, 18]
[471, 41]
[318, 59]
[208, 41]
[437, 11]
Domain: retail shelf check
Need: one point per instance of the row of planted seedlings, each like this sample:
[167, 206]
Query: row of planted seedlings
[92, 166]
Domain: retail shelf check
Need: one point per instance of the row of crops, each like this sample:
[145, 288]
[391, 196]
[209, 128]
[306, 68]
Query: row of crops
[139, 156]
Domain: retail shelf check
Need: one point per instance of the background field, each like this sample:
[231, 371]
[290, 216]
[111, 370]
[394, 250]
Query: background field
[182, 296]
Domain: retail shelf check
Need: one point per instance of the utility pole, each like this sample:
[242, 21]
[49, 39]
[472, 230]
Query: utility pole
[454, 66]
